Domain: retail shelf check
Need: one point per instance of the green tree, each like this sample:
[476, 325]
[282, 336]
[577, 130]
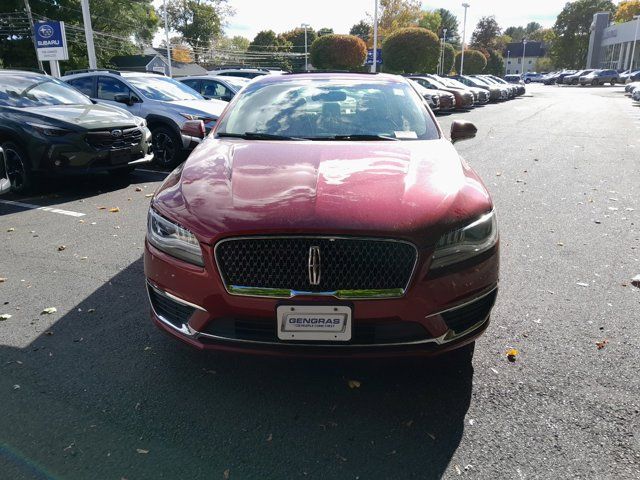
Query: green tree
[296, 37]
[236, 43]
[411, 50]
[449, 58]
[495, 62]
[361, 30]
[531, 27]
[516, 33]
[449, 21]
[198, 22]
[486, 33]
[395, 14]
[474, 61]
[572, 30]
[129, 26]
[430, 21]
[264, 41]
[626, 10]
[325, 31]
[338, 52]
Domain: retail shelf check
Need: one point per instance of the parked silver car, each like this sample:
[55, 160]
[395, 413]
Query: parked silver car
[177, 115]
[215, 87]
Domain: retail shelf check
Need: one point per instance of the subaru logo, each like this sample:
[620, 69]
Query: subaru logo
[314, 265]
[116, 133]
[45, 31]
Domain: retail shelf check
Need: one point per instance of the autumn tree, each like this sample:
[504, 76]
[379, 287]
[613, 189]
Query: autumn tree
[486, 32]
[572, 30]
[181, 53]
[626, 10]
[395, 14]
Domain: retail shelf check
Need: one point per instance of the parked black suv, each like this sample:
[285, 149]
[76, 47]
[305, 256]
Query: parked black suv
[48, 127]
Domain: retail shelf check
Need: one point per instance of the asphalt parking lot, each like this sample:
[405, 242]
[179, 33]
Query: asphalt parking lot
[93, 390]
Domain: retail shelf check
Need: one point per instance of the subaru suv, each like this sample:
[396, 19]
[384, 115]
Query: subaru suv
[599, 77]
[178, 116]
[48, 128]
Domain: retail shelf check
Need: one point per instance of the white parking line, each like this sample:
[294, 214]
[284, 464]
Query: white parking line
[31, 206]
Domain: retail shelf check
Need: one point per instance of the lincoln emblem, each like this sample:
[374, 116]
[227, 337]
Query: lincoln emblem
[314, 265]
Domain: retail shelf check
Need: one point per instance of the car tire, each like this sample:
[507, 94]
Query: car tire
[527, 80]
[166, 147]
[613, 83]
[18, 168]
[594, 82]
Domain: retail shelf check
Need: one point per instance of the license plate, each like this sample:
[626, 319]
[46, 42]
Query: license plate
[120, 156]
[312, 322]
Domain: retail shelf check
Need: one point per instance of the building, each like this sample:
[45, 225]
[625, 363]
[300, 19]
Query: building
[153, 61]
[533, 51]
[611, 45]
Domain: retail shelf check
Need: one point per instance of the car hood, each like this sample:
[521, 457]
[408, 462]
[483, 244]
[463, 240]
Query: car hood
[211, 107]
[415, 190]
[84, 116]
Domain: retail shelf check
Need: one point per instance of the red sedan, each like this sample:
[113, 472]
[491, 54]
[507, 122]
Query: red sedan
[326, 215]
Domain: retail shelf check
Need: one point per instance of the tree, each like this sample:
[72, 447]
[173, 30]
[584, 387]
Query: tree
[325, 31]
[395, 14]
[544, 64]
[129, 25]
[338, 52]
[361, 30]
[531, 27]
[198, 22]
[430, 21]
[495, 63]
[449, 21]
[474, 61]
[449, 58]
[572, 30]
[626, 10]
[264, 41]
[296, 38]
[486, 32]
[181, 53]
[516, 33]
[411, 50]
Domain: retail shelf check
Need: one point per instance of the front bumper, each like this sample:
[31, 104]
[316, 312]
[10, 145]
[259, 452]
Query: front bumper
[439, 312]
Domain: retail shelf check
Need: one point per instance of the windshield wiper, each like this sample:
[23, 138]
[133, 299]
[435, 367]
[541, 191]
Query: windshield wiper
[256, 136]
[356, 137]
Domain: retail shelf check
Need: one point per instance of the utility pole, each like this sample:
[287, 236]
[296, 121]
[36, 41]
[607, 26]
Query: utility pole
[375, 38]
[166, 36]
[444, 44]
[306, 57]
[88, 33]
[635, 40]
[27, 7]
[507, 64]
[464, 32]
[524, 49]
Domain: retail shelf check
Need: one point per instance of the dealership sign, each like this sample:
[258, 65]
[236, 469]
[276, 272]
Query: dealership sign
[370, 57]
[51, 40]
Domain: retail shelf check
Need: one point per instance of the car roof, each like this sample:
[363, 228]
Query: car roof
[290, 77]
[221, 78]
[26, 73]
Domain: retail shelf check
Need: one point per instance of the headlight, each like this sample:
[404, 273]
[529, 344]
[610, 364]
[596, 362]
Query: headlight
[464, 243]
[49, 130]
[193, 116]
[173, 239]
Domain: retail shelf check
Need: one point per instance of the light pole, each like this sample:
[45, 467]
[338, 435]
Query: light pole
[166, 36]
[635, 40]
[524, 49]
[507, 65]
[375, 37]
[306, 58]
[464, 31]
[444, 43]
[88, 33]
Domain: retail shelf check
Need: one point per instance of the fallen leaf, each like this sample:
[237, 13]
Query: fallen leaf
[149, 195]
[91, 310]
[83, 258]
[582, 284]
[5, 316]
[458, 471]
[354, 384]
[114, 210]
[16, 387]
[2, 279]
[102, 208]
[601, 344]
[512, 353]
[635, 281]
[560, 244]
[49, 333]
[226, 474]
[138, 189]
[49, 310]
[61, 248]
[11, 229]
[147, 348]
[80, 221]
[142, 451]
[498, 174]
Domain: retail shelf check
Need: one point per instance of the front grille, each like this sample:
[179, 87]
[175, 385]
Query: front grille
[344, 263]
[105, 140]
[172, 311]
[365, 333]
[465, 317]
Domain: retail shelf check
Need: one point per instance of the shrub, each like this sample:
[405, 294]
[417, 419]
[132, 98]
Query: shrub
[449, 58]
[474, 62]
[411, 50]
[338, 52]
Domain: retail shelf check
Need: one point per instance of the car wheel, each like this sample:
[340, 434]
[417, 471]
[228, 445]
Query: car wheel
[594, 82]
[527, 81]
[166, 147]
[613, 82]
[18, 168]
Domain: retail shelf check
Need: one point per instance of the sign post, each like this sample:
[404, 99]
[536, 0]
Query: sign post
[51, 43]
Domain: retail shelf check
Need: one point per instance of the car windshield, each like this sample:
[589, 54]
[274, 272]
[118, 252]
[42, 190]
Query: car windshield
[37, 90]
[340, 109]
[436, 83]
[237, 82]
[164, 89]
[455, 83]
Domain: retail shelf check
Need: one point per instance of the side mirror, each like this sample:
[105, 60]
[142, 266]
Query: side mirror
[461, 130]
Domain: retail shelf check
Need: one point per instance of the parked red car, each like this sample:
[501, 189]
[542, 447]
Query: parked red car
[326, 215]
